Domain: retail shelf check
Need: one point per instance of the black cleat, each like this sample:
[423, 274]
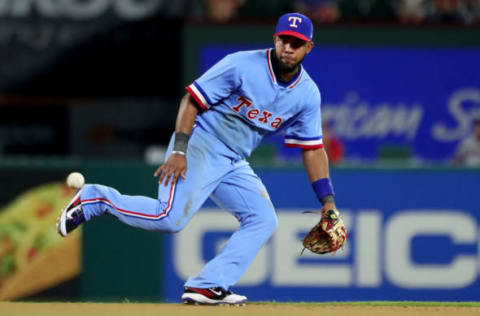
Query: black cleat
[71, 217]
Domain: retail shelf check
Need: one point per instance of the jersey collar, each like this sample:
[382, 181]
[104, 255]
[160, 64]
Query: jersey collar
[292, 83]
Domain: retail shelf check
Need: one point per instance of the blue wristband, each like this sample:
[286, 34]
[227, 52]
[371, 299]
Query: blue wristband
[323, 188]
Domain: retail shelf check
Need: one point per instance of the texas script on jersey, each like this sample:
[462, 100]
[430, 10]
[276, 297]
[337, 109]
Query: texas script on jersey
[253, 113]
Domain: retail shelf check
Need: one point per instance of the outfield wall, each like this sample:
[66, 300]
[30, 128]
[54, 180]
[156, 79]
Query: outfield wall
[413, 236]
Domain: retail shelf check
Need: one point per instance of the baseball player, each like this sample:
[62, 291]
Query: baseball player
[222, 118]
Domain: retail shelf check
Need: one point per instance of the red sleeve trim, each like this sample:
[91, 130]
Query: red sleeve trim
[196, 98]
[304, 146]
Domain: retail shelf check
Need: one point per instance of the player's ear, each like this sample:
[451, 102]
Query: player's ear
[309, 47]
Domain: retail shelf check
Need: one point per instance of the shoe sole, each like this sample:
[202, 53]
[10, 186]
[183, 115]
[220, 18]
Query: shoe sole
[193, 302]
[198, 299]
[61, 222]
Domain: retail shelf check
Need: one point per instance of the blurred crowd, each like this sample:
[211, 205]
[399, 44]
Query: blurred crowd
[468, 150]
[461, 12]
[439, 11]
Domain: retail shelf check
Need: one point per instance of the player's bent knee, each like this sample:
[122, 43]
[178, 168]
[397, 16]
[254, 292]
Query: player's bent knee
[270, 223]
[274, 223]
[168, 225]
[175, 229]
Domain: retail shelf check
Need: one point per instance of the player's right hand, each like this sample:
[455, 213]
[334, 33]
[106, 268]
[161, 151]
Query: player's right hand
[175, 166]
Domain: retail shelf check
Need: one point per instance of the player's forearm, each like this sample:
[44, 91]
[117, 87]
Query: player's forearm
[316, 163]
[187, 113]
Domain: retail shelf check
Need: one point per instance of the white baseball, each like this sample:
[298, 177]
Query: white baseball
[75, 180]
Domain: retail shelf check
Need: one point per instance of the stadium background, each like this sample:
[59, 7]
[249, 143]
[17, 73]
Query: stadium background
[94, 87]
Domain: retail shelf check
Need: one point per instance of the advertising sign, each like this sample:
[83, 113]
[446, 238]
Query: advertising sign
[413, 236]
[78, 47]
[34, 260]
[422, 98]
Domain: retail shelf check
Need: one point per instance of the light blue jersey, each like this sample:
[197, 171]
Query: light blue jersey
[244, 102]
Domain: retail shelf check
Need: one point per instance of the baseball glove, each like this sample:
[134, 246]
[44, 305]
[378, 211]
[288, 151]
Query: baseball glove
[329, 235]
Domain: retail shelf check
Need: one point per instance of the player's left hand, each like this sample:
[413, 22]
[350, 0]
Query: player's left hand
[328, 206]
[175, 166]
[329, 235]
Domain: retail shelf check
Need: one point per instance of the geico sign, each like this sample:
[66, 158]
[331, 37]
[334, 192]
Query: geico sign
[78, 9]
[374, 254]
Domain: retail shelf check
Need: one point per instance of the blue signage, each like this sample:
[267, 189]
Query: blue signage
[424, 99]
[413, 236]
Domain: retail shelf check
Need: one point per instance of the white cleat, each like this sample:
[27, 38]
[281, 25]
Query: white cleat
[212, 296]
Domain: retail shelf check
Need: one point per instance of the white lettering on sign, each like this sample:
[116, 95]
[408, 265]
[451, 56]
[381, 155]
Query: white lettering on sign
[79, 9]
[370, 258]
[367, 248]
[460, 227]
[354, 118]
[460, 107]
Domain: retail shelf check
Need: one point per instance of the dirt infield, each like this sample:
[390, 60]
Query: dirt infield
[256, 309]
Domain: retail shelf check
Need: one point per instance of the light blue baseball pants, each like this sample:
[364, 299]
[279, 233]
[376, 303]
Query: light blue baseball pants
[213, 171]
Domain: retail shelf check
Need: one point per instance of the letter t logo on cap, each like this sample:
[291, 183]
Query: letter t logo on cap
[294, 24]
[294, 20]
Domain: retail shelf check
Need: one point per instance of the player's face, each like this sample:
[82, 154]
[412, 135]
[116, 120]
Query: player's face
[290, 51]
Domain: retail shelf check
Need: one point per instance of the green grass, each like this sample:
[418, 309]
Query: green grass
[376, 303]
